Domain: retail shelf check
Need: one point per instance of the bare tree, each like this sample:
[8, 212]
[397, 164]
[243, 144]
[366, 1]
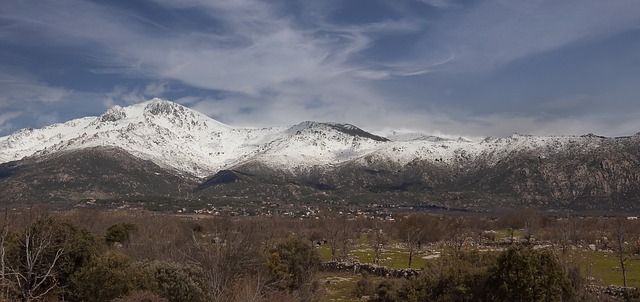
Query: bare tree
[377, 241]
[456, 233]
[621, 234]
[232, 254]
[561, 234]
[5, 283]
[29, 270]
[333, 232]
[411, 231]
[532, 222]
[345, 236]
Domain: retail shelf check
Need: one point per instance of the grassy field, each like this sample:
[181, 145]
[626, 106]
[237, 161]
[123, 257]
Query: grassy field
[603, 268]
[393, 257]
[339, 286]
[598, 267]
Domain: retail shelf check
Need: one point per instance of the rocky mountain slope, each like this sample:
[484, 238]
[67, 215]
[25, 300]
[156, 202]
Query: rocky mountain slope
[157, 148]
[86, 174]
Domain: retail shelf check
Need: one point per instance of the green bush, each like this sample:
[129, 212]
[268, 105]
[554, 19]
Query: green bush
[364, 287]
[387, 291]
[525, 274]
[455, 276]
[120, 232]
[292, 264]
[109, 276]
[141, 296]
[177, 282]
[44, 255]
[517, 274]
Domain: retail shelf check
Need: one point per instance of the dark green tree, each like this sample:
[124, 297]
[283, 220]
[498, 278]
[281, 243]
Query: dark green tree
[387, 291]
[179, 283]
[109, 276]
[518, 274]
[364, 287]
[525, 274]
[293, 263]
[141, 296]
[456, 276]
[120, 232]
[40, 259]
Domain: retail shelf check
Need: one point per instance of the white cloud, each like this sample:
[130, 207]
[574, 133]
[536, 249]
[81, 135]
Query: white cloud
[122, 94]
[271, 70]
[493, 33]
[20, 88]
[155, 89]
[259, 58]
[565, 103]
[5, 120]
[439, 3]
[266, 64]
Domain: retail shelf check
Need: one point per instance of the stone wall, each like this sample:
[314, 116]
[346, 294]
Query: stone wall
[616, 292]
[371, 269]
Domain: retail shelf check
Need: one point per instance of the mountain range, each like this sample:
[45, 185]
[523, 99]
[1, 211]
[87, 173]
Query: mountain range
[160, 149]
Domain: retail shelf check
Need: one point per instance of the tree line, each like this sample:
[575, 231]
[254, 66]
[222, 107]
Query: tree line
[94, 255]
[143, 256]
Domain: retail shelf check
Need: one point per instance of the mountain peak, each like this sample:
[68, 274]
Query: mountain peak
[520, 135]
[177, 137]
[591, 135]
[114, 114]
[163, 107]
[343, 128]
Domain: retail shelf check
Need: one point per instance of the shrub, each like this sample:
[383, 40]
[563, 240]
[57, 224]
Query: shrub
[292, 263]
[387, 291]
[178, 283]
[364, 287]
[518, 274]
[456, 276]
[44, 255]
[525, 274]
[109, 276]
[120, 232]
[141, 296]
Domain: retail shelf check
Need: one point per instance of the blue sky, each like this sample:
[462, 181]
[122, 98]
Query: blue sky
[474, 68]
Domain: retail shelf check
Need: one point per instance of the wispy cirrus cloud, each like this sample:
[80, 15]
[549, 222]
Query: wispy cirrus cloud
[5, 119]
[490, 34]
[441, 65]
[22, 96]
[256, 52]
[21, 88]
[268, 64]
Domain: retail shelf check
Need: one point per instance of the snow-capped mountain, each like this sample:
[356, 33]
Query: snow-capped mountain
[159, 148]
[176, 137]
[166, 133]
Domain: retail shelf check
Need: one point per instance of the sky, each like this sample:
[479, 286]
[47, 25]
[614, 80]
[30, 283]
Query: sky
[470, 68]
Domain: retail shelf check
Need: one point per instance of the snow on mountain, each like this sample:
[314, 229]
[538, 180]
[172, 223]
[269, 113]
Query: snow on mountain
[312, 144]
[409, 135]
[179, 138]
[169, 134]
